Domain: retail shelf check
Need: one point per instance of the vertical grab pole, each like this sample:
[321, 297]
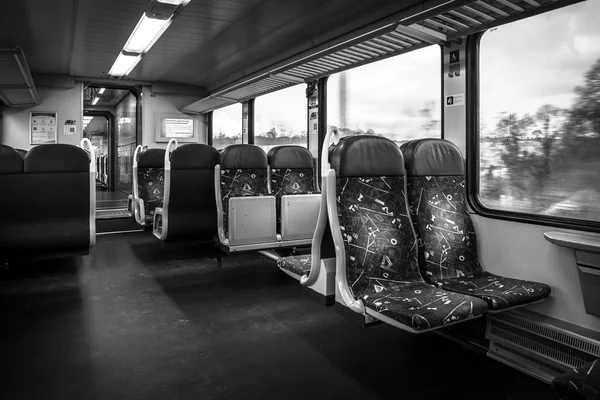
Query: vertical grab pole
[85, 142]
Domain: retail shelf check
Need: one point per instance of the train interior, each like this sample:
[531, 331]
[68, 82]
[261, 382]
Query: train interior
[300, 199]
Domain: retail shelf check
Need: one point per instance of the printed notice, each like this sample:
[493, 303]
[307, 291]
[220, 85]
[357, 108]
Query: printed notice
[42, 128]
[179, 127]
[455, 100]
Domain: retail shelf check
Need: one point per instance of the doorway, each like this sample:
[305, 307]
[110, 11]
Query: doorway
[111, 124]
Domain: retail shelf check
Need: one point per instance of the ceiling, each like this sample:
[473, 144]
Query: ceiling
[209, 44]
[213, 46]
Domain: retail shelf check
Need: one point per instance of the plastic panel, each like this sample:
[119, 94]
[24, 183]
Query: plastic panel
[299, 213]
[252, 220]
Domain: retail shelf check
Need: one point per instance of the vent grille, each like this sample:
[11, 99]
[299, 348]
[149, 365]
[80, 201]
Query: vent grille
[565, 355]
[588, 346]
[532, 341]
[544, 365]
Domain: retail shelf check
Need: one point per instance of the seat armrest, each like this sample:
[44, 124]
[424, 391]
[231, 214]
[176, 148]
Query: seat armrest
[139, 212]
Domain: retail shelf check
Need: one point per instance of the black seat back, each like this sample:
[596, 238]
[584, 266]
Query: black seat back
[192, 209]
[22, 152]
[150, 180]
[244, 172]
[436, 193]
[46, 201]
[378, 237]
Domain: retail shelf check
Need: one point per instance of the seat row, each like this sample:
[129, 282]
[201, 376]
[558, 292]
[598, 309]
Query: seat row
[102, 168]
[48, 201]
[248, 199]
[405, 245]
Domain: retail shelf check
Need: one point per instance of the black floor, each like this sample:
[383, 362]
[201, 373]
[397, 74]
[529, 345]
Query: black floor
[135, 320]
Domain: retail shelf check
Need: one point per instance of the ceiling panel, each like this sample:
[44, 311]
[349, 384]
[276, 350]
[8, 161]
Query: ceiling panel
[43, 29]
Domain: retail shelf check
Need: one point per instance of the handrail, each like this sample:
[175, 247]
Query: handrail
[332, 135]
[167, 190]
[168, 151]
[85, 142]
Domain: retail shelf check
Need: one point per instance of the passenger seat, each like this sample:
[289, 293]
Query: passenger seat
[447, 240]
[377, 271]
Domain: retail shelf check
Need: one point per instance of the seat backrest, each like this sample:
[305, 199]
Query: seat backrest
[436, 194]
[46, 199]
[150, 179]
[11, 161]
[244, 172]
[191, 203]
[375, 226]
[292, 172]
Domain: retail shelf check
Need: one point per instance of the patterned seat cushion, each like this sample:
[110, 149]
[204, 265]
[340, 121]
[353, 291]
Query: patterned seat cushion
[581, 383]
[381, 263]
[286, 181]
[448, 245]
[499, 292]
[419, 305]
[240, 183]
[151, 187]
[299, 265]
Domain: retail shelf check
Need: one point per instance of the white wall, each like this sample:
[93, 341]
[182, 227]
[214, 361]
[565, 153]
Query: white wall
[153, 104]
[67, 103]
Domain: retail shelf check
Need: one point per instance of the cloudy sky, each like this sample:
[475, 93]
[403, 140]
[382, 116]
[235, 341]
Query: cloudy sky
[538, 61]
[523, 65]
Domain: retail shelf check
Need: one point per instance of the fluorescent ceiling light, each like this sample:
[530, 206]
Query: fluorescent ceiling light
[95, 101]
[145, 34]
[174, 2]
[124, 64]
[101, 90]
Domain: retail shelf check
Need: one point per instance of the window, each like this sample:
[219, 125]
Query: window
[280, 118]
[539, 117]
[227, 126]
[398, 97]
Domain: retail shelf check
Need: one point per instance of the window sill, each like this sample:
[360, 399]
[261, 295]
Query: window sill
[574, 241]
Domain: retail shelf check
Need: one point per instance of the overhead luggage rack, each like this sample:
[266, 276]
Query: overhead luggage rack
[441, 24]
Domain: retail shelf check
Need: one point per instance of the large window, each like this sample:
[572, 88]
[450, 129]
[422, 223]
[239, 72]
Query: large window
[539, 118]
[398, 97]
[280, 118]
[227, 126]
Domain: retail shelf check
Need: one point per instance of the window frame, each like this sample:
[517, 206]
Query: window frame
[473, 153]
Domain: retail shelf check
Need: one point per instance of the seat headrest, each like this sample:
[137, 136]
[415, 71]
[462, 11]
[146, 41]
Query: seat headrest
[48, 158]
[11, 161]
[151, 158]
[290, 157]
[194, 156]
[432, 157]
[366, 155]
[240, 156]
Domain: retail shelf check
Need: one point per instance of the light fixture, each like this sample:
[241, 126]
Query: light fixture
[124, 64]
[95, 101]
[149, 28]
[146, 32]
[101, 90]
[174, 2]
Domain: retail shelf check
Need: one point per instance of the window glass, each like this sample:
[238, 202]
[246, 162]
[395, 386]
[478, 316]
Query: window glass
[227, 126]
[398, 97]
[539, 117]
[280, 118]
